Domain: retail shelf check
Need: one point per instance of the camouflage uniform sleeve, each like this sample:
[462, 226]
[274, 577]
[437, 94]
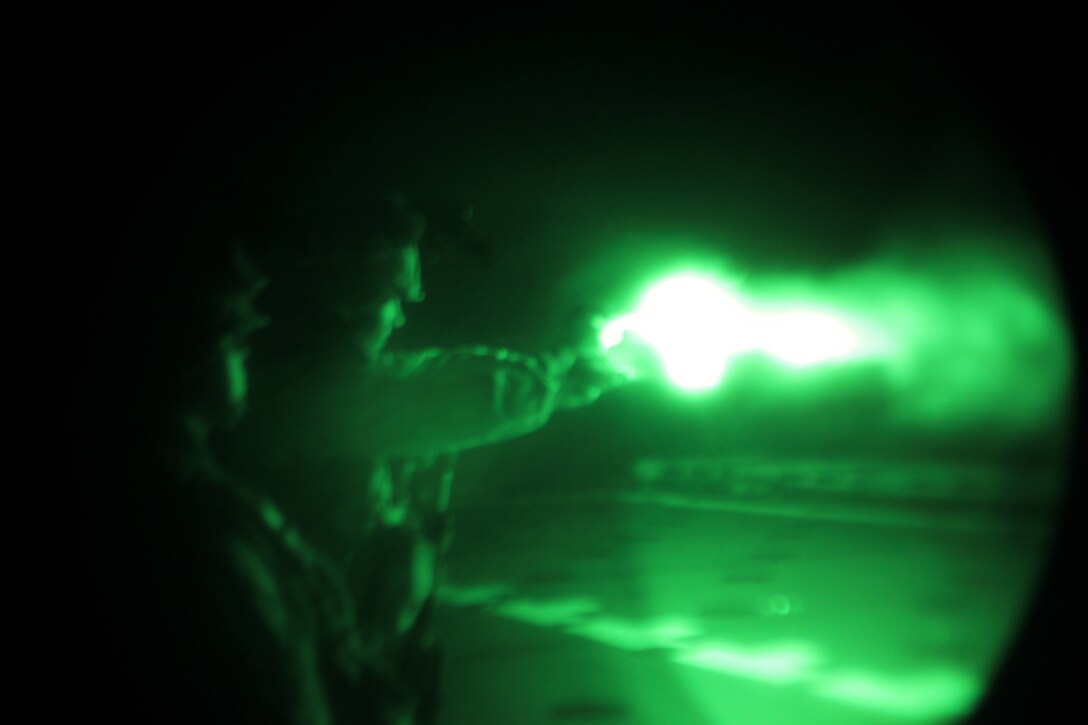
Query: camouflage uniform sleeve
[432, 403]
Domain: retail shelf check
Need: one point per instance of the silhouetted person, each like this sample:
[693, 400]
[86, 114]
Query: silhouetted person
[357, 444]
[204, 606]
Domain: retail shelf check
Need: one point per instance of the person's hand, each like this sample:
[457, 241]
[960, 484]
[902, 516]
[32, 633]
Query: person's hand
[634, 358]
[587, 377]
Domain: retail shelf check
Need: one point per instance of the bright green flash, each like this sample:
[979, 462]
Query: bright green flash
[696, 323]
[806, 337]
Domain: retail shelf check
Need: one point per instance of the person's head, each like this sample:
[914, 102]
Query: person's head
[177, 336]
[399, 281]
[347, 275]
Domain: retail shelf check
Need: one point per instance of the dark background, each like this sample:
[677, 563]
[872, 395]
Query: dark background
[797, 133]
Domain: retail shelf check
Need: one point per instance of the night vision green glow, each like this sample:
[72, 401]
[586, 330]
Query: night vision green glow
[961, 335]
[696, 323]
[806, 337]
[237, 381]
